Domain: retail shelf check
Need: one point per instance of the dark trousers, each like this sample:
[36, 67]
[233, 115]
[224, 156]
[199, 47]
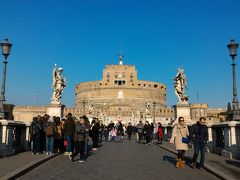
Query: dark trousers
[148, 138]
[95, 142]
[199, 146]
[129, 136]
[181, 154]
[79, 149]
[100, 137]
[140, 137]
[36, 144]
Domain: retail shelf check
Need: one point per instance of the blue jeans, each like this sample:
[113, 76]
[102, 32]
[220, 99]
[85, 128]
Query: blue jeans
[199, 146]
[69, 140]
[49, 144]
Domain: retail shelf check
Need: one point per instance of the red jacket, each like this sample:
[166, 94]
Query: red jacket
[160, 132]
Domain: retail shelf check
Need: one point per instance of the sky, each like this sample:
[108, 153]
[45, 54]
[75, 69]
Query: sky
[83, 36]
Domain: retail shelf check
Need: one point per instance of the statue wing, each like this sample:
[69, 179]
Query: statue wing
[54, 76]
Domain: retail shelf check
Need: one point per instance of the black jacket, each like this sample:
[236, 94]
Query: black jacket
[199, 133]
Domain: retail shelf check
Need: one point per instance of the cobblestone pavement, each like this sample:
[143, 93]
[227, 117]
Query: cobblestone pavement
[126, 160]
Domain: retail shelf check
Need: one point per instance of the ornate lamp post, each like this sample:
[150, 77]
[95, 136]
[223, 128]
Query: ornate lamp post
[6, 47]
[154, 108]
[84, 105]
[232, 47]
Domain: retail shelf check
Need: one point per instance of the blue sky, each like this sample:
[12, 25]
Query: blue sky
[83, 36]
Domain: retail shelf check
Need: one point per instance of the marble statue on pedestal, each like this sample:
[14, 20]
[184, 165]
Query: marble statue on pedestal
[180, 83]
[58, 84]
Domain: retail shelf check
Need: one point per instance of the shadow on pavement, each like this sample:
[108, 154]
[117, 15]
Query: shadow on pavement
[170, 159]
[234, 163]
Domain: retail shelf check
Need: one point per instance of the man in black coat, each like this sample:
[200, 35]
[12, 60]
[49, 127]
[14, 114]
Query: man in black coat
[148, 132]
[199, 136]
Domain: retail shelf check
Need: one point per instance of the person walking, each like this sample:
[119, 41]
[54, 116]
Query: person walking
[199, 137]
[101, 128]
[95, 133]
[110, 126]
[120, 132]
[160, 133]
[50, 130]
[130, 130]
[79, 137]
[148, 132]
[180, 131]
[140, 131]
[69, 132]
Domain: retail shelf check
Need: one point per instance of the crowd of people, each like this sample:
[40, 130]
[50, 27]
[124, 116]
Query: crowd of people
[79, 137]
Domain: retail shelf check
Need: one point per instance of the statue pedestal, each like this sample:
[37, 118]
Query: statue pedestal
[182, 110]
[55, 110]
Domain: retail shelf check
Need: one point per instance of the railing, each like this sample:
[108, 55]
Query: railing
[14, 137]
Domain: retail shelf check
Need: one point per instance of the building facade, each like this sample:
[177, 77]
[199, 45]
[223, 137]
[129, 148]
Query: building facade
[120, 94]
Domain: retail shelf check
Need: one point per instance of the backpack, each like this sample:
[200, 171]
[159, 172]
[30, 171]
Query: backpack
[35, 129]
[49, 130]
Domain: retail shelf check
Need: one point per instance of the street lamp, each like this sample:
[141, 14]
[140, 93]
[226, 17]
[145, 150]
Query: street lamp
[232, 47]
[84, 104]
[154, 107]
[6, 47]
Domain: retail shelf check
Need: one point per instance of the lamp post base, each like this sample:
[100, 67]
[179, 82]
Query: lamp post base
[234, 116]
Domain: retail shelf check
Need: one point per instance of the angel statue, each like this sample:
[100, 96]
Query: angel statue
[58, 84]
[90, 107]
[147, 106]
[180, 82]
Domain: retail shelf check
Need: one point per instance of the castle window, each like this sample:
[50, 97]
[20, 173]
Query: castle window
[155, 85]
[150, 85]
[100, 84]
[119, 82]
[144, 85]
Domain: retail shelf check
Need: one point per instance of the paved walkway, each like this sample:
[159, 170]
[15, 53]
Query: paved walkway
[126, 160]
[13, 165]
[225, 167]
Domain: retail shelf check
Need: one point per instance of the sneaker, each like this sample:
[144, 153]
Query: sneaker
[193, 165]
[70, 153]
[202, 169]
[94, 149]
[37, 154]
[81, 161]
[66, 153]
[71, 157]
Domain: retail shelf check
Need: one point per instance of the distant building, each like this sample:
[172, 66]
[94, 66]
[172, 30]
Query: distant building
[120, 95]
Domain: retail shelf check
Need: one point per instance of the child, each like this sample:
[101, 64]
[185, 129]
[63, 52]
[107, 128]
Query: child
[113, 133]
